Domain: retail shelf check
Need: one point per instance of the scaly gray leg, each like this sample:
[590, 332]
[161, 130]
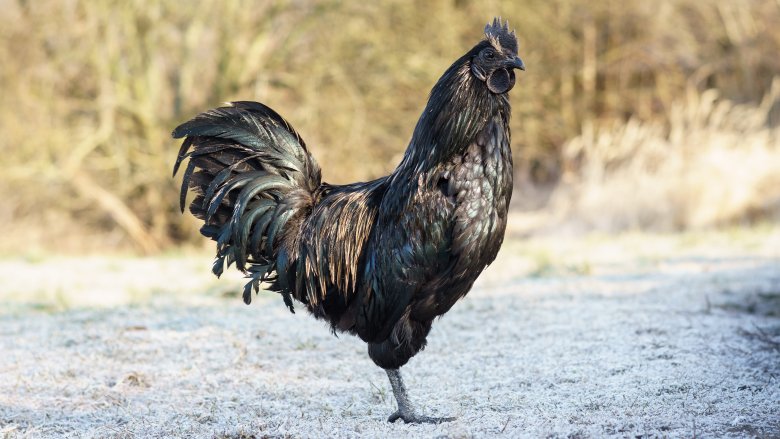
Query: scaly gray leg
[406, 410]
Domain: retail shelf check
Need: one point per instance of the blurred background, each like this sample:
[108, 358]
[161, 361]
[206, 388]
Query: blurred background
[632, 115]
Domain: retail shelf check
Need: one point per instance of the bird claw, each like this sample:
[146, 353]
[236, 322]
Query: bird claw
[413, 418]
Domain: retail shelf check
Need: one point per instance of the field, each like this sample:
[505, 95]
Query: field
[636, 335]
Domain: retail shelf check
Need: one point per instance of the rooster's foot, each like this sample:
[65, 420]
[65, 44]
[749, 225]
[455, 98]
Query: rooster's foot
[413, 418]
[406, 411]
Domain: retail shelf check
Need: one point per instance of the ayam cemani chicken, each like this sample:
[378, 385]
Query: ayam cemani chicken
[378, 259]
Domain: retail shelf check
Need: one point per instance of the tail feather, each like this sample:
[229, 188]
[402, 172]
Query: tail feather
[258, 130]
[253, 177]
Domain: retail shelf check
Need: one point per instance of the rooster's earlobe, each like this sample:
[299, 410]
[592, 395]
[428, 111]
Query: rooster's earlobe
[478, 72]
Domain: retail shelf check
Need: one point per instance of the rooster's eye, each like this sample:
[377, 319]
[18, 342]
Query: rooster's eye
[490, 54]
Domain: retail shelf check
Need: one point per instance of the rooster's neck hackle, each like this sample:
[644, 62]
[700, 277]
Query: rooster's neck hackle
[459, 107]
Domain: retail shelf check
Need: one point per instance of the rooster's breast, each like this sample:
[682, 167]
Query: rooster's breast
[482, 186]
[479, 182]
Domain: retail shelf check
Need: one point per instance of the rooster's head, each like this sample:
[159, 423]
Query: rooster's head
[496, 58]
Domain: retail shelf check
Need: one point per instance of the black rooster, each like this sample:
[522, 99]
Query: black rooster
[379, 259]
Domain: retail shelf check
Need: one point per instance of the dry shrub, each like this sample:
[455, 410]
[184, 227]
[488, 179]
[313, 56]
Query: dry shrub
[92, 89]
[712, 162]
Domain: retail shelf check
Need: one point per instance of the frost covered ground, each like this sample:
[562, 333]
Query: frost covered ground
[647, 337]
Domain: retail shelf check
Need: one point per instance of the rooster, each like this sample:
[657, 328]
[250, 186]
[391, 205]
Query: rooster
[378, 259]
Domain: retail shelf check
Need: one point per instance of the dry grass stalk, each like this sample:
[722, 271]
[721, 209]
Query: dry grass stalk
[712, 162]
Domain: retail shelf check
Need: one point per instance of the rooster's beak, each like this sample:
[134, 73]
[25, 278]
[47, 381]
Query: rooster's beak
[516, 63]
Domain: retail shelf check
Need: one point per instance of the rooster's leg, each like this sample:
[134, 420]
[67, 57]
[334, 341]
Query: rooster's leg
[406, 411]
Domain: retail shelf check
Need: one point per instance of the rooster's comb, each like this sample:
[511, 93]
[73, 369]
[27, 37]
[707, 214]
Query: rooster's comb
[500, 36]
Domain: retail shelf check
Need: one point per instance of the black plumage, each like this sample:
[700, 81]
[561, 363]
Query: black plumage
[379, 259]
